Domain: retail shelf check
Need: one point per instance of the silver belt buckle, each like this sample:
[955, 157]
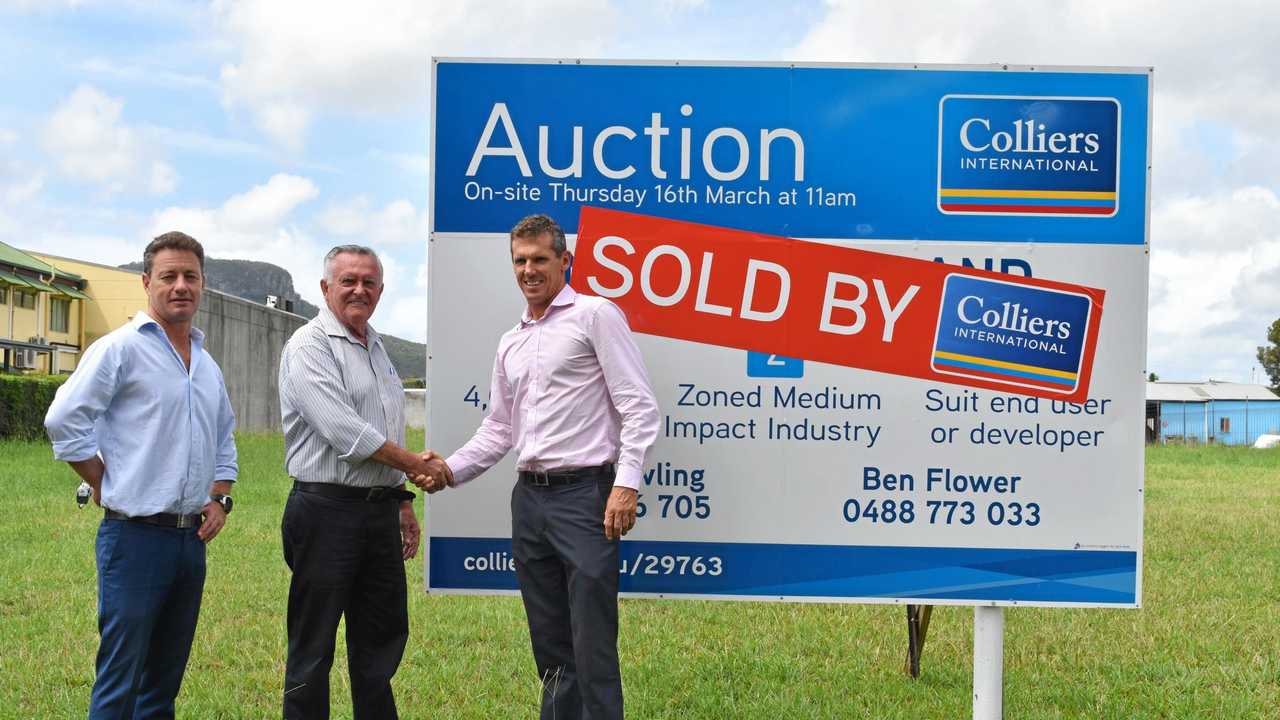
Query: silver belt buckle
[185, 521]
[540, 478]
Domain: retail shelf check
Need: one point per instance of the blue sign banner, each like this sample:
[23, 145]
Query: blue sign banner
[823, 571]
[815, 152]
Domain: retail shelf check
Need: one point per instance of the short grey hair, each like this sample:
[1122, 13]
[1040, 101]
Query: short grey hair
[349, 250]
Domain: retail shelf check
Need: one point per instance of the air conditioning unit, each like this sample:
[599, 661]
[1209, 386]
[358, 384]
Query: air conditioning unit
[38, 340]
[273, 301]
[24, 358]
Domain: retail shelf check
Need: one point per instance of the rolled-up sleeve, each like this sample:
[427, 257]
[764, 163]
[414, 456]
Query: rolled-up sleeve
[312, 386]
[629, 388]
[226, 463]
[77, 405]
[493, 439]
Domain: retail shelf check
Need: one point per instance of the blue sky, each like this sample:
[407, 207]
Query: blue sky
[273, 129]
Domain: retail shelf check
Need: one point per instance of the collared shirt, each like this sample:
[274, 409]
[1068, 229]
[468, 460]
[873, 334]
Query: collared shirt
[568, 390]
[164, 431]
[340, 400]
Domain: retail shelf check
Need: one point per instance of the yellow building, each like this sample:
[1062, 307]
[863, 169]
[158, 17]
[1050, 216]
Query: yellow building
[42, 310]
[114, 294]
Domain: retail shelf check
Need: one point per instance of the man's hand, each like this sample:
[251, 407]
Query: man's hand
[434, 474]
[620, 512]
[214, 516]
[91, 471]
[409, 531]
[426, 470]
[214, 519]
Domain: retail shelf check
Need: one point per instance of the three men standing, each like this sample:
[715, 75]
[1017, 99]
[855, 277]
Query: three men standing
[570, 394]
[145, 420]
[348, 524]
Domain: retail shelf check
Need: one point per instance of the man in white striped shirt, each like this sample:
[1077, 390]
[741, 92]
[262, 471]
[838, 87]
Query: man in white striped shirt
[349, 524]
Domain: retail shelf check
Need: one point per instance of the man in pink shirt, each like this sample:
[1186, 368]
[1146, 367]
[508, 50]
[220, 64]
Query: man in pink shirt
[570, 395]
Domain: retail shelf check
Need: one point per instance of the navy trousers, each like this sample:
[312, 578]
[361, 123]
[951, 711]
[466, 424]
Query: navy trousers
[568, 575]
[150, 580]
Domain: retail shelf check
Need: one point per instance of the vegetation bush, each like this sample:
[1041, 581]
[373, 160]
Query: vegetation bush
[24, 399]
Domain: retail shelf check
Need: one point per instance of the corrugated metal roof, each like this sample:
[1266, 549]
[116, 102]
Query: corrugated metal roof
[1206, 391]
[13, 256]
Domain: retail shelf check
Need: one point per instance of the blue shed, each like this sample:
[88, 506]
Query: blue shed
[1210, 412]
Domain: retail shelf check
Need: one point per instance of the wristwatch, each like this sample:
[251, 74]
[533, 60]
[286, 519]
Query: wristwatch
[224, 501]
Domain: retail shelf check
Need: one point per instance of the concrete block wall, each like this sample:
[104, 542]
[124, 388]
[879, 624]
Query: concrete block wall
[415, 409]
[246, 339]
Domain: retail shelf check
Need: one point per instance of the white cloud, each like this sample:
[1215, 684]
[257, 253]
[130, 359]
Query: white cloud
[22, 190]
[255, 225]
[19, 183]
[350, 58]
[285, 122]
[90, 144]
[146, 74]
[7, 136]
[1215, 277]
[403, 309]
[397, 223]
[263, 207]
[164, 179]
[669, 8]
[1223, 221]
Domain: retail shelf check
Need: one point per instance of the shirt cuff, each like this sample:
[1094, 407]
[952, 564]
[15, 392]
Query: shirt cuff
[628, 477]
[364, 446]
[75, 450]
[462, 470]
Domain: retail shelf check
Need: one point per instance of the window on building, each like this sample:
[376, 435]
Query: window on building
[4, 295]
[59, 313]
[24, 299]
[1224, 424]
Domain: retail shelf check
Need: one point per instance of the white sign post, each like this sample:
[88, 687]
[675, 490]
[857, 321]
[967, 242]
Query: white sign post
[988, 662]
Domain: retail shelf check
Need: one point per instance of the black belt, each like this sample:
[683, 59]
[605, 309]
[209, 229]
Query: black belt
[172, 520]
[548, 478]
[348, 492]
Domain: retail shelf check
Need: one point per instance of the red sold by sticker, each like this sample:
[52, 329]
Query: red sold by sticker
[842, 306]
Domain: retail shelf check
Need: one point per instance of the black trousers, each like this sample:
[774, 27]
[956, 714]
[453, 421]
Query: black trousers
[346, 559]
[568, 575]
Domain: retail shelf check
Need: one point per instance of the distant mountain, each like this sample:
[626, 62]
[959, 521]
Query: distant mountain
[410, 358]
[254, 281]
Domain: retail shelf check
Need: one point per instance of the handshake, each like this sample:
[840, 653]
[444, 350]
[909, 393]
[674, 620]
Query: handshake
[430, 473]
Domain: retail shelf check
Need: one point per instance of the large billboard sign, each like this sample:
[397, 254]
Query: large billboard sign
[895, 318]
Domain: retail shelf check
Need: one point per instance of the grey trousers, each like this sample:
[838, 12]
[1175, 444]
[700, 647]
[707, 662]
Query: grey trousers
[568, 575]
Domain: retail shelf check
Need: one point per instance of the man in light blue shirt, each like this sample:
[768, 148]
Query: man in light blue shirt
[145, 420]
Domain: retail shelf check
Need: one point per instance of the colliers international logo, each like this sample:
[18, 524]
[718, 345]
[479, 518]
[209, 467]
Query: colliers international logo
[1052, 156]
[1011, 333]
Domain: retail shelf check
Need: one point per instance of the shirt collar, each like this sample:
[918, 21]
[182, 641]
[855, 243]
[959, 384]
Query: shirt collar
[334, 328]
[141, 319]
[566, 296]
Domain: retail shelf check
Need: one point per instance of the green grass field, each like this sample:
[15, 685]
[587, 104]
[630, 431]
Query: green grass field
[1205, 645]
